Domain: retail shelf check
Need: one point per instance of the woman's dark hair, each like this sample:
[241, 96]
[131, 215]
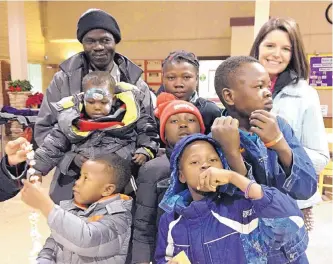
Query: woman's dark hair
[298, 61]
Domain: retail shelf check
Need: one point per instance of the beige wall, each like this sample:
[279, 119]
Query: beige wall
[241, 41]
[4, 48]
[153, 29]
[325, 97]
[48, 74]
[316, 31]
[35, 39]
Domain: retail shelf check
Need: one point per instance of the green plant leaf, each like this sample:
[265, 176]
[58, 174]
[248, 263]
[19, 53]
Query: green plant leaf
[24, 84]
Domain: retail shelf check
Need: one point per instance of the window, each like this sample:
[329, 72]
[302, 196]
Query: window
[35, 77]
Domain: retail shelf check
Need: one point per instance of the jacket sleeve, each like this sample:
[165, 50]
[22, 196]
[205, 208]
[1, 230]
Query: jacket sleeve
[161, 253]
[210, 111]
[146, 100]
[279, 217]
[145, 228]
[148, 138]
[104, 238]
[301, 184]
[314, 139]
[50, 153]
[10, 177]
[48, 254]
[47, 116]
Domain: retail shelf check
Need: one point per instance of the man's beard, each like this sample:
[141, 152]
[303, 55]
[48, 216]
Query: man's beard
[101, 67]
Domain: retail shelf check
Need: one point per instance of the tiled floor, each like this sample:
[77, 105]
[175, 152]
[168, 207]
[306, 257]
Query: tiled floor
[321, 238]
[15, 242]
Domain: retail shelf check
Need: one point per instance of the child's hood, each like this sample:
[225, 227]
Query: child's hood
[69, 109]
[123, 91]
[177, 193]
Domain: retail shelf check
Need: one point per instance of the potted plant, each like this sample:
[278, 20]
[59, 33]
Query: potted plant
[19, 86]
[19, 91]
[34, 101]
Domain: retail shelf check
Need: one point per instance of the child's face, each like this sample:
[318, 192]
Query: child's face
[197, 157]
[251, 90]
[180, 125]
[180, 79]
[98, 101]
[93, 184]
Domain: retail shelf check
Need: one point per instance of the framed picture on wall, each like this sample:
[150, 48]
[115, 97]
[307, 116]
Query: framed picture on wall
[320, 71]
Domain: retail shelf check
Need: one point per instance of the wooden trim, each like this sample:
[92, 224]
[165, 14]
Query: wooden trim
[213, 57]
[328, 121]
[241, 21]
[323, 87]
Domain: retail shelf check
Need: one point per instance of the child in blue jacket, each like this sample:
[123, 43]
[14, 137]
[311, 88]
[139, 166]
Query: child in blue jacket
[211, 220]
[264, 140]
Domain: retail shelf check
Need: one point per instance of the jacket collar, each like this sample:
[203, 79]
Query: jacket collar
[195, 209]
[194, 97]
[168, 151]
[130, 72]
[285, 84]
[74, 63]
[105, 202]
[292, 90]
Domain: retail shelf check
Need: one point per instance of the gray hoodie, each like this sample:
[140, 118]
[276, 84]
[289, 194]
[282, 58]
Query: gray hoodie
[97, 234]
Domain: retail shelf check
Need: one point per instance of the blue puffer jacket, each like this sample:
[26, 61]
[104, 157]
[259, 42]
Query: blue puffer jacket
[225, 227]
[229, 230]
[300, 184]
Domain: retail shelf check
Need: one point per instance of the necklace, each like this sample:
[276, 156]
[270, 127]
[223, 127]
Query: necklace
[34, 215]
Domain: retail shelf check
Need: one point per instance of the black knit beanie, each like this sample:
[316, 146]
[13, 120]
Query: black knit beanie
[97, 19]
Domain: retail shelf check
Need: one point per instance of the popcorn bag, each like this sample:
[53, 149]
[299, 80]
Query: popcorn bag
[34, 215]
[182, 258]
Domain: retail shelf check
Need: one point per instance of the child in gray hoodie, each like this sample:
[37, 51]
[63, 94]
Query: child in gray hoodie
[94, 227]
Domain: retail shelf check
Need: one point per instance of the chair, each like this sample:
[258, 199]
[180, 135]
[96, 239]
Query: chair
[329, 132]
[328, 171]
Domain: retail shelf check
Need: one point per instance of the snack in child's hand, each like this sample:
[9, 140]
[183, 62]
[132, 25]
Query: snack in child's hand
[181, 258]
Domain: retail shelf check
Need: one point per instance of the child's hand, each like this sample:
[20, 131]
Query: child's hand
[16, 151]
[139, 159]
[36, 198]
[265, 125]
[212, 178]
[225, 131]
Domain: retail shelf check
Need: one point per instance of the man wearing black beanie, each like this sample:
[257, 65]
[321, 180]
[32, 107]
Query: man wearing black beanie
[99, 33]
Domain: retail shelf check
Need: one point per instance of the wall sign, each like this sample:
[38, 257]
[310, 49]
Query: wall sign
[320, 71]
